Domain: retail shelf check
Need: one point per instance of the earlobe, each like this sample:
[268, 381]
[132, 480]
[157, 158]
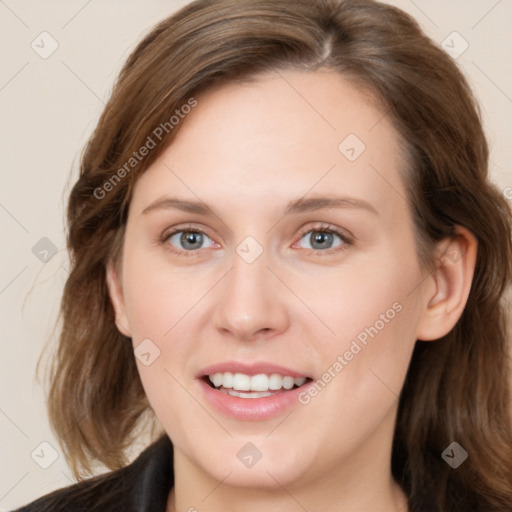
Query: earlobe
[452, 280]
[117, 299]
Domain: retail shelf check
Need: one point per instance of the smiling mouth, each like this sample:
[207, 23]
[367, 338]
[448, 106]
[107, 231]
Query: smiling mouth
[254, 386]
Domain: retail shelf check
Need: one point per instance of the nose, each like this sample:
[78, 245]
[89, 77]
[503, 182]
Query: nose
[251, 301]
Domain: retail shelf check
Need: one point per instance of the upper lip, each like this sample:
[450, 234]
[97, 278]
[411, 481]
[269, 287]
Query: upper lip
[250, 369]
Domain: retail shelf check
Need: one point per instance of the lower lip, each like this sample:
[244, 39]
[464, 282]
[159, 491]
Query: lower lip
[252, 409]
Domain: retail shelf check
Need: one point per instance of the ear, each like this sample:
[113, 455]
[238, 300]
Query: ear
[115, 290]
[447, 289]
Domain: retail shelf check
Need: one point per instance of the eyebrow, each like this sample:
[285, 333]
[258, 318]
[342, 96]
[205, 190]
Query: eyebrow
[300, 205]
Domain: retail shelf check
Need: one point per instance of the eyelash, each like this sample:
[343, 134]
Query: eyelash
[322, 228]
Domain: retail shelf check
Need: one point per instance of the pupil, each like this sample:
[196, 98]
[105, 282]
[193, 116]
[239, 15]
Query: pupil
[191, 238]
[321, 237]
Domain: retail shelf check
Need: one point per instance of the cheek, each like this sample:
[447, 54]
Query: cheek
[158, 296]
[368, 301]
[363, 368]
[373, 313]
[162, 305]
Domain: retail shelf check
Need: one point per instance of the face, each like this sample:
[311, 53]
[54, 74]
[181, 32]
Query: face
[270, 249]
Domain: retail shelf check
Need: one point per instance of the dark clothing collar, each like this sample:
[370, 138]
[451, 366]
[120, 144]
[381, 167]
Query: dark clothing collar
[153, 476]
[142, 486]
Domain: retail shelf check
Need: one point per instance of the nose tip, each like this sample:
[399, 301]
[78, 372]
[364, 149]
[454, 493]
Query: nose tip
[245, 332]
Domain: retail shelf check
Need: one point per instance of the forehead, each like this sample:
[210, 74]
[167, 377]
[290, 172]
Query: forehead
[279, 137]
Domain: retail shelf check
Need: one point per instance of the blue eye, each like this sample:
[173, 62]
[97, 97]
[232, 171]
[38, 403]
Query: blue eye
[322, 240]
[190, 240]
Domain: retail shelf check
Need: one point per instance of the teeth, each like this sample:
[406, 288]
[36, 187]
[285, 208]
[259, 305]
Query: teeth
[275, 381]
[261, 382]
[217, 380]
[288, 382]
[253, 394]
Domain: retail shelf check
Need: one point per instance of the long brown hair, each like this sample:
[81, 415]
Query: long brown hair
[457, 388]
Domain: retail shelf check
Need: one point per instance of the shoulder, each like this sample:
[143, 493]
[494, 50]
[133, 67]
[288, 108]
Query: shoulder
[141, 486]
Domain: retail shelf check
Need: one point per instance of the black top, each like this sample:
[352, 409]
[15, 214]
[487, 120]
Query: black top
[142, 486]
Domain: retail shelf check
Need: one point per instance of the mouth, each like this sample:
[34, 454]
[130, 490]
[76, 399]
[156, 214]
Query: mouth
[261, 385]
[255, 391]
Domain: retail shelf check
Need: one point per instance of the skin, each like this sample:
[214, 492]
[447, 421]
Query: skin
[247, 150]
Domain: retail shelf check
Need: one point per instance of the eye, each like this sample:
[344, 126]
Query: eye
[187, 241]
[322, 239]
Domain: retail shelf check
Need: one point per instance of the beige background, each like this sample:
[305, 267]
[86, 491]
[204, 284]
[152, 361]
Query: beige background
[48, 108]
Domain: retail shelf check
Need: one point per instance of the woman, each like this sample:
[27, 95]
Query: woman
[288, 258]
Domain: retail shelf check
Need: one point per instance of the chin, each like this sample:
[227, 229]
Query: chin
[255, 463]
